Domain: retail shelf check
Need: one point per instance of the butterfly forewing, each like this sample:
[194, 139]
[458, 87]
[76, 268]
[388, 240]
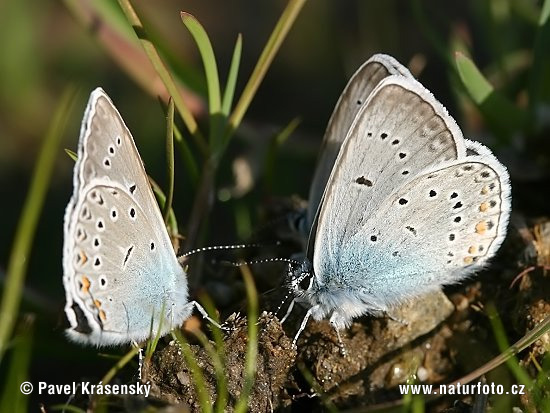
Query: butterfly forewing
[355, 94]
[399, 132]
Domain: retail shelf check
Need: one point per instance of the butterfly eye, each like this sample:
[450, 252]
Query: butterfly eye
[305, 281]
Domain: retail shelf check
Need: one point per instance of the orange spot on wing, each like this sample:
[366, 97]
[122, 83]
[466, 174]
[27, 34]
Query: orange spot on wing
[97, 303]
[472, 249]
[468, 260]
[85, 284]
[484, 206]
[484, 190]
[481, 227]
[83, 257]
[102, 315]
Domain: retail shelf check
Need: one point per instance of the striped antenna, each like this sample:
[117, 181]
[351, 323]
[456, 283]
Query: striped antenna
[182, 257]
[263, 261]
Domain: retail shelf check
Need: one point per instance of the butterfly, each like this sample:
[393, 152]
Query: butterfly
[401, 203]
[122, 279]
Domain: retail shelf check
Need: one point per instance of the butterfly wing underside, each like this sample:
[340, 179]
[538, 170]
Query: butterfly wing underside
[387, 212]
[120, 271]
[354, 95]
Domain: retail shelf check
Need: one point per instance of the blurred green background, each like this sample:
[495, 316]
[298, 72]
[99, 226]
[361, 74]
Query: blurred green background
[45, 47]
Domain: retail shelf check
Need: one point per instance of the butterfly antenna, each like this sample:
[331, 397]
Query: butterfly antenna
[182, 257]
[283, 302]
[263, 261]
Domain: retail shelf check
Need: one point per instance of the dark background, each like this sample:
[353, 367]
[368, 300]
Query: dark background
[44, 49]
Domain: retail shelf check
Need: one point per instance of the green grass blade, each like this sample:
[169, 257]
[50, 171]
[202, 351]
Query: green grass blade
[545, 13]
[169, 159]
[217, 121]
[72, 154]
[120, 364]
[163, 73]
[222, 389]
[264, 62]
[185, 151]
[19, 257]
[316, 387]
[187, 155]
[232, 76]
[12, 399]
[501, 115]
[477, 86]
[503, 345]
[528, 339]
[252, 343]
[541, 389]
[154, 338]
[217, 362]
[161, 198]
[105, 21]
[66, 408]
[208, 59]
[199, 383]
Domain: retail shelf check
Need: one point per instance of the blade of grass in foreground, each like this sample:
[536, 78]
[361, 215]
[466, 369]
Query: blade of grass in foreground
[13, 400]
[501, 114]
[232, 76]
[205, 401]
[109, 27]
[252, 341]
[169, 159]
[221, 381]
[502, 342]
[19, 258]
[264, 62]
[163, 73]
[208, 60]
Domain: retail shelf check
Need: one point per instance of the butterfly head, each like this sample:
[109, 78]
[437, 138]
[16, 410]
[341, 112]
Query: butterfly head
[301, 280]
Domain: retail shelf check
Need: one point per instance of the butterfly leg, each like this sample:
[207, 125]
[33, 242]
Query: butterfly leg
[337, 322]
[341, 343]
[303, 325]
[288, 311]
[140, 357]
[393, 317]
[200, 309]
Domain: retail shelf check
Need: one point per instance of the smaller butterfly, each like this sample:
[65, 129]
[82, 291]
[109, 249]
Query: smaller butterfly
[122, 279]
[400, 203]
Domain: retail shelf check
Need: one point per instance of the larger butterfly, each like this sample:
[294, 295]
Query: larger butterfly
[400, 202]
